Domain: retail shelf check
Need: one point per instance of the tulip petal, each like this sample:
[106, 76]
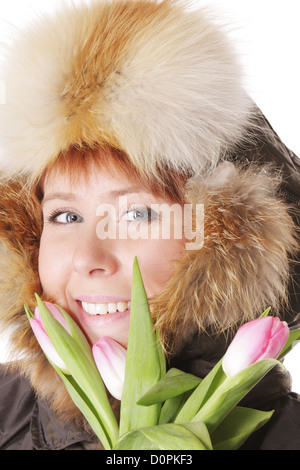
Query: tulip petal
[114, 353]
[46, 344]
[258, 339]
[55, 312]
[278, 337]
[110, 358]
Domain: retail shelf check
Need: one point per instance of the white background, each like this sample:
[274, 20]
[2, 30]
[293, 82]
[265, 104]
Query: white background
[267, 35]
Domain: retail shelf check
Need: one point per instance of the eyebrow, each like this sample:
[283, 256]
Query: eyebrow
[64, 196]
[72, 196]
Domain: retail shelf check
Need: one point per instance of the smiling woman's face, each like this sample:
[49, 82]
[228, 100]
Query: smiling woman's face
[89, 274]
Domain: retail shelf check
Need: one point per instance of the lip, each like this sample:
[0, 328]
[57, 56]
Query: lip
[99, 320]
[101, 299]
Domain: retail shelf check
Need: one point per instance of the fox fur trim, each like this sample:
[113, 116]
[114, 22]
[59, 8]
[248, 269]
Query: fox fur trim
[242, 268]
[151, 78]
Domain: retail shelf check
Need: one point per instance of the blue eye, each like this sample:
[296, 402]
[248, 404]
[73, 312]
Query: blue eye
[60, 217]
[141, 214]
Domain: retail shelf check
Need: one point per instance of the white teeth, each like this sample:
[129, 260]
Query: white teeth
[103, 309]
[122, 306]
[111, 308]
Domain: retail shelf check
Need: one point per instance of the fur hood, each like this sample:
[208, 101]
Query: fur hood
[160, 83]
[242, 268]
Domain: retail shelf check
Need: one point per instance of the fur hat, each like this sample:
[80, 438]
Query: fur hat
[152, 78]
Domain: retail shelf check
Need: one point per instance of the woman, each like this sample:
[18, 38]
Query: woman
[139, 102]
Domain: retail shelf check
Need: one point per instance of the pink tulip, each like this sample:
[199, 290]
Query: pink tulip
[258, 339]
[42, 337]
[110, 358]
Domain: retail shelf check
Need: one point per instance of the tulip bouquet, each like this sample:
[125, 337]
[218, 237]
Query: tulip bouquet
[160, 409]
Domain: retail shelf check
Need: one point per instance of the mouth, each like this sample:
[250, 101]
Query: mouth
[104, 308]
[99, 311]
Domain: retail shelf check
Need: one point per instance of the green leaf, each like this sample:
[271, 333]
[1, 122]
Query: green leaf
[230, 392]
[166, 437]
[238, 425]
[200, 430]
[293, 340]
[135, 440]
[86, 407]
[265, 313]
[78, 335]
[174, 383]
[143, 361]
[161, 355]
[201, 394]
[28, 312]
[171, 408]
[83, 371]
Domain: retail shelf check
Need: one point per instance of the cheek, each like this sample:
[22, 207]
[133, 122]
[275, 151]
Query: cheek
[158, 263]
[52, 268]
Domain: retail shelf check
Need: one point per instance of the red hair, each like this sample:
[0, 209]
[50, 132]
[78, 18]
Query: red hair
[77, 163]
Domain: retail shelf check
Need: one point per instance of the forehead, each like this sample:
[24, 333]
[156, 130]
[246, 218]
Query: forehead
[100, 184]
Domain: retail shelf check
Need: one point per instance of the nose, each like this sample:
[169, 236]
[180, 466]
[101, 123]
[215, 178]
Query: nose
[94, 257]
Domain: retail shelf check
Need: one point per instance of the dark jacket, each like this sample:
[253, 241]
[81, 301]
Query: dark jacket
[27, 423]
